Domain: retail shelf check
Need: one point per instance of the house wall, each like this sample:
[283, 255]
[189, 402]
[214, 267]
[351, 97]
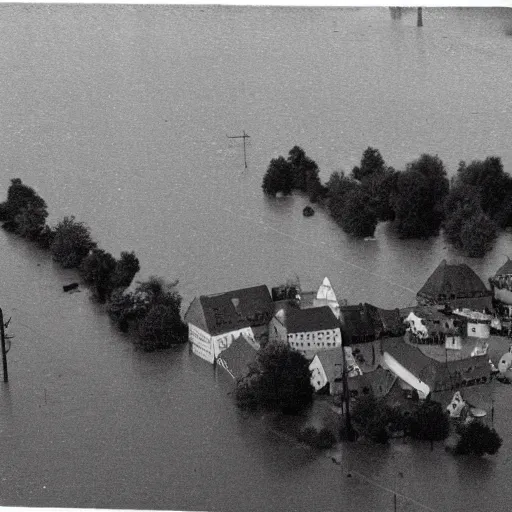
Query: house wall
[453, 342]
[416, 326]
[316, 340]
[276, 330]
[223, 341]
[209, 347]
[479, 330]
[201, 343]
[318, 377]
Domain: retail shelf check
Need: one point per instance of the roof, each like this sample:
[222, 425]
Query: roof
[332, 362]
[412, 359]
[359, 321]
[505, 269]
[449, 282]
[370, 321]
[237, 357]
[230, 311]
[308, 320]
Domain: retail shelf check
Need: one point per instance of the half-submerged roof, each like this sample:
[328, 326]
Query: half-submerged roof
[230, 311]
[455, 281]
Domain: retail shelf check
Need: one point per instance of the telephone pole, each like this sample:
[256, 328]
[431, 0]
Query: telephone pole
[4, 351]
[420, 17]
[244, 136]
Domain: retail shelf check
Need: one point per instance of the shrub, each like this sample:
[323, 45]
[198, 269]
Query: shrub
[321, 439]
[478, 439]
[278, 178]
[429, 422]
[71, 243]
[153, 311]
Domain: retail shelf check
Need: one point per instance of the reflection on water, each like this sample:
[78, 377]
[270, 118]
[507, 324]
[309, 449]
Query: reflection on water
[119, 115]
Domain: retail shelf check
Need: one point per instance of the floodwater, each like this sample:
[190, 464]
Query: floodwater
[119, 115]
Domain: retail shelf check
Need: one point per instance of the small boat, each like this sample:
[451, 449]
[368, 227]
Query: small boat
[369, 239]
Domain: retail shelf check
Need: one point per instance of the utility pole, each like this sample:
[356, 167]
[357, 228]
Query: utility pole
[244, 136]
[346, 398]
[420, 17]
[4, 351]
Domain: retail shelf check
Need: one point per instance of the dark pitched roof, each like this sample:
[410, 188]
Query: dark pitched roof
[359, 321]
[457, 281]
[309, 320]
[229, 311]
[237, 357]
[505, 269]
[366, 320]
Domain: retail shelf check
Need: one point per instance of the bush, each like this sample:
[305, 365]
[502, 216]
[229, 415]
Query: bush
[71, 242]
[322, 440]
[24, 212]
[152, 311]
[104, 274]
[478, 439]
[125, 270]
[429, 422]
[371, 417]
[278, 178]
[46, 237]
[96, 270]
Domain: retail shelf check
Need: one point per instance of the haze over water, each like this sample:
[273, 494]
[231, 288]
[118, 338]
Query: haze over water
[119, 115]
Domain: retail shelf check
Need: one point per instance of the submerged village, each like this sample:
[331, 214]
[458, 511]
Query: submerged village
[443, 349]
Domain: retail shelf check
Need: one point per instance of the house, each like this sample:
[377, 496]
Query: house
[215, 321]
[429, 325]
[363, 323]
[437, 375]
[478, 324]
[363, 326]
[501, 285]
[456, 285]
[327, 369]
[305, 330]
[238, 357]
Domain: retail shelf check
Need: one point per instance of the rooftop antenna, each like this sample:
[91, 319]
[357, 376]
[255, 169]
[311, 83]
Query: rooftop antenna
[244, 136]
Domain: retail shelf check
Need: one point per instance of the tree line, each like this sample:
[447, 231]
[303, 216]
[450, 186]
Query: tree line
[151, 311]
[470, 208]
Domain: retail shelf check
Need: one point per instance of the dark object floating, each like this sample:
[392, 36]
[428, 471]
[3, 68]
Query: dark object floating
[68, 287]
[308, 211]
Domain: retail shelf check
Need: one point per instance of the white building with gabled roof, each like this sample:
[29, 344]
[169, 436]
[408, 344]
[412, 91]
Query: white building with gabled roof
[215, 321]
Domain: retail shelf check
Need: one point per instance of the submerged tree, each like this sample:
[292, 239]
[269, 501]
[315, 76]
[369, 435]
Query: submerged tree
[24, 212]
[357, 217]
[152, 310]
[371, 163]
[278, 178]
[280, 380]
[478, 439]
[419, 199]
[71, 242]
